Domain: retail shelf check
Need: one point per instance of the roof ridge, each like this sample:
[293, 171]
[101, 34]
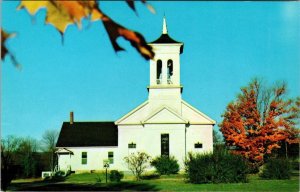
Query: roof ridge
[90, 122]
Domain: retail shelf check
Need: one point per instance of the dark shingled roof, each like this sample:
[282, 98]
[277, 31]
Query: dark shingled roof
[85, 134]
[166, 39]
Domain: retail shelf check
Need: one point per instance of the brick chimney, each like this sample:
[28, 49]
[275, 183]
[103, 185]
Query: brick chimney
[71, 117]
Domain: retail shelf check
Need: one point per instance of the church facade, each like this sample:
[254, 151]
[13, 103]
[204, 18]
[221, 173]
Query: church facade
[164, 124]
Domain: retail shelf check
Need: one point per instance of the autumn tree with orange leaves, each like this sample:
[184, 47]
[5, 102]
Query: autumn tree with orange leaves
[259, 119]
[62, 14]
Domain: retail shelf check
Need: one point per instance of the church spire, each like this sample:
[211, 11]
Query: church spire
[165, 30]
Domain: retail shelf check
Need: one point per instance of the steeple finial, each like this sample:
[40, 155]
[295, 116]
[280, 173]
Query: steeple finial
[165, 30]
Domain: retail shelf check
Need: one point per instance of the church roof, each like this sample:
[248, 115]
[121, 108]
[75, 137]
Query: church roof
[87, 134]
[165, 38]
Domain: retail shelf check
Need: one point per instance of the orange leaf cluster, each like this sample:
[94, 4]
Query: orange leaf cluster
[4, 50]
[255, 133]
[61, 14]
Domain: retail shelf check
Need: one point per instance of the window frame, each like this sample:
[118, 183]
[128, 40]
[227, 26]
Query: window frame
[165, 144]
[84, 158]
[110, 157]
[159, 71]
[170, 71]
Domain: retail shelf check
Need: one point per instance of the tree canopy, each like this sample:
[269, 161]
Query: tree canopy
[259, 119]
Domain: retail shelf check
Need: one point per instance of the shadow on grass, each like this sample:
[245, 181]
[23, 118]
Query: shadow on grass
[152, 176]
[61, 186]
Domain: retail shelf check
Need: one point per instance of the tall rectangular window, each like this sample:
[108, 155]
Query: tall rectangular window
[111, 157]
[165, 145]
[158, 72]
[84, 158]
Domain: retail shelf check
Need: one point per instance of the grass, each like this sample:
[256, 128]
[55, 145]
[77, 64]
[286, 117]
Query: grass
[88, 182]
[254, 184]
[85, 178]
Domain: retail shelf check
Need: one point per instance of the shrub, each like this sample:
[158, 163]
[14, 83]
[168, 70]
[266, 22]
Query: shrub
[295, 165]
[137, 163]
[218, 167]
[253, 168]
[165, 165]
[115, 176]
[276, 169]
[59, 176]
[98, 179]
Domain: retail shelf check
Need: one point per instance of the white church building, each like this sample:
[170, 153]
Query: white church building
[164, 124]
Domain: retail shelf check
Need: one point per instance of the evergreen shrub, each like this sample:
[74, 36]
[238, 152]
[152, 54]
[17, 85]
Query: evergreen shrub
[218, 167]
[115, 176]
[276, 169]
[165, 165]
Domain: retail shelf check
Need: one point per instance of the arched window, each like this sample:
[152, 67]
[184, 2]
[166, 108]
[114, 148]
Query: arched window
[158, 71]
[170, 70]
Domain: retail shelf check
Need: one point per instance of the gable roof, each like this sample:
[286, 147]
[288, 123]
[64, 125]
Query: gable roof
[208, 120]
[86, 134]
[132, 112]
[168, 116]
[64, 151]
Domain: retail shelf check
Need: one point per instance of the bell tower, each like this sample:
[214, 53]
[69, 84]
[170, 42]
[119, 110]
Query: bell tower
[165, 87]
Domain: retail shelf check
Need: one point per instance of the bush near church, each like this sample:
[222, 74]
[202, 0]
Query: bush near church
[218, 167]
[276, 169]
[137, 163]
[115, 176]
[165, 165]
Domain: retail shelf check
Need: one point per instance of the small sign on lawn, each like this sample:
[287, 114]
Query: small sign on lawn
[105, 163]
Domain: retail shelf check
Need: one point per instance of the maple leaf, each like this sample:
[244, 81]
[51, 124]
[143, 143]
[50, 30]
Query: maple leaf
[131, 4]
[61, 14]
[115, 30]
[4, 50]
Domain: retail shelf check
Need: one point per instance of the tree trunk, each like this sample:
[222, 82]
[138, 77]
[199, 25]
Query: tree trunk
[286, 153]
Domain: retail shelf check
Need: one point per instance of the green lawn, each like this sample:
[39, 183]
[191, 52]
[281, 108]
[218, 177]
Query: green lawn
[254, 184]
[90, 181]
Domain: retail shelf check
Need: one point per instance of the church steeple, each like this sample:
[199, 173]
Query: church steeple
[165, 68]
[165, 29]
[165, 38]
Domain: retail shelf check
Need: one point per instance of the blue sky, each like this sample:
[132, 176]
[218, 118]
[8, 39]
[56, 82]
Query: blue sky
[226, 44]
